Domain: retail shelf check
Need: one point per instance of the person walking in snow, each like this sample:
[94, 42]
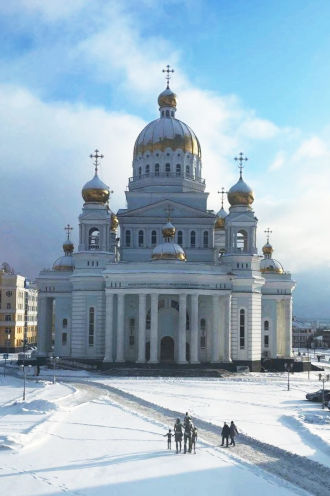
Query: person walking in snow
[225, 434]
[188, 427]
[169, 436]
[232, 433]
[194, 439]
[178, 434]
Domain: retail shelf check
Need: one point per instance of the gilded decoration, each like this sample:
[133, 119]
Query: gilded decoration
[114, 222]
[240, 198]
[94, 195]
[169, 256]
[272, 269]
[219, 223]
[188, 144]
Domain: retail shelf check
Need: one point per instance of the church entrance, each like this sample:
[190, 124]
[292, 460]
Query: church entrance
[167, 349]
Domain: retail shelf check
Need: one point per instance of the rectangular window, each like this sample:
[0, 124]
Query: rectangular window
[91, 326]
[266, 341]
[8, 306]
[64, 339]
[242, 329]
[8, 318]
[203, 342]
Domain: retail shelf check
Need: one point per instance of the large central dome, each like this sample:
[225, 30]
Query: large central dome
[167, 153]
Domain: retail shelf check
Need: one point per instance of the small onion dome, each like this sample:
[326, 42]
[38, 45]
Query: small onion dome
[168, 230]
[64, 264]
[240, 194]
[269, 265]
[168, 251]
[267, 249]
[68, 246]
[167, 98]
[220, 220]
[95, 191]
[114, 222]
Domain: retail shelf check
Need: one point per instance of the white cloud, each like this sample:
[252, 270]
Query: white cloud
[313, 147]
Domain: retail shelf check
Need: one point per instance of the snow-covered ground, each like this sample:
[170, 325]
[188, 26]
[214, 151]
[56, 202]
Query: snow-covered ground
[260, 405]
[72, 438]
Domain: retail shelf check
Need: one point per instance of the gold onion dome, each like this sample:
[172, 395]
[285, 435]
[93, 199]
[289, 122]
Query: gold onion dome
[68, 246]
[240, 194]
[114, 222]
[65, 263]
[167, 98]
[95, 191]
[220, 219]
[268, 264]
[267, 249]
[168, 250]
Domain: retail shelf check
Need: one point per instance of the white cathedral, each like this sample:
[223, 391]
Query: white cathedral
[182, 284]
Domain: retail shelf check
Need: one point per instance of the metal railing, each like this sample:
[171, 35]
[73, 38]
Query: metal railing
[166, 174]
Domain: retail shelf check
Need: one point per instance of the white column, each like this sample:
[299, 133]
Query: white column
[142, 329]
[120, 327]
[215, 330]
[108, 352]
[154, 329]
[42, 326]
[182, 328]
[227, 327]
[194, 329]
[288, 327]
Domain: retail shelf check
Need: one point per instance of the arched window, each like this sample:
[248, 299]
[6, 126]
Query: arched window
[140, 172]
[156, 169]
[91, 326]
[147, 170]
[163, 113]
[94, 239]
[203, 333]
[167, 113]
[241, 241]
[153, 238]
[131, 331]
[65, 323]
[167, 169]
[128, 237]
[178, 170]
[206, 239]
[266, 341]
[172, 113]
[266, 325]
[242, 329]
[193, 239]
[180, 238]
[187, 170]
[141, 238]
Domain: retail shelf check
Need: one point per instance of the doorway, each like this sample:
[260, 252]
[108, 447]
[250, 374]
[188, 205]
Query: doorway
[167, 349]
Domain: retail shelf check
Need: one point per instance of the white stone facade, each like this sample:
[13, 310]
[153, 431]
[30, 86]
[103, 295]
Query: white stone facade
[117, 304]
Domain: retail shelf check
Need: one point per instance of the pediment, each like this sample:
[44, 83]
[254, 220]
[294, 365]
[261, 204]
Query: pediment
[159, 208]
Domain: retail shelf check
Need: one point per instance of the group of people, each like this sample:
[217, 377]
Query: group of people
[188, 432]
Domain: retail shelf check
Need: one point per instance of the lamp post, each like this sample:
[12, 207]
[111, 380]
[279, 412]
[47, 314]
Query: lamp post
[53, 359]
[324, 378]
[289, 367]
[23, 366]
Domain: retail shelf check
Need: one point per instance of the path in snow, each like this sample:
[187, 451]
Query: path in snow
[298, 470]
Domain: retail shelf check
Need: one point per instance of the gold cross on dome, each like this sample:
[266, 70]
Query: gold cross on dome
[268, 232]
[240, 159]
[168, 72]
[68, 229]
[222, 193]
[168, 211]
[96, 157]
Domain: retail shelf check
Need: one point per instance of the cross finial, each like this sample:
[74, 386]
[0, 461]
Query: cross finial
[222, 193]
[240, 159]
[96, 157]
[268, 232]
[168, 211]
[68, 229]
[168, 72]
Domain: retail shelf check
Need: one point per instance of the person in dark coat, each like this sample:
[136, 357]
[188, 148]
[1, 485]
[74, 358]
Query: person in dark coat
[187, 436]
[232, 433]
[178, 434]
[169, 436]
[194, 439]
[225, 434]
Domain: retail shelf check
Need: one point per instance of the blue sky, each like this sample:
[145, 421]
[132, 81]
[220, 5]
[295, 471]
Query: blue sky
[251, 76]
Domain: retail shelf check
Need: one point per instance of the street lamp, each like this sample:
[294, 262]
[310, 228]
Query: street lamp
[289, 367]
[8, 340]
[23, 366]
[53, 359]
[324, 378]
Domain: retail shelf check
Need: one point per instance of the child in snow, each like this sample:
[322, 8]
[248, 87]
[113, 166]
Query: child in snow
[169, 436]
[194, 439]
[178, 434]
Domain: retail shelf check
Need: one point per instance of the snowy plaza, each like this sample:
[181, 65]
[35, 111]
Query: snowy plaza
[85, 435]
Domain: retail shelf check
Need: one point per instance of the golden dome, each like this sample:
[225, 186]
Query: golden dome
[169, 251]
[240, 194]
[167, 98]
[95, 191]
[64, 264]
[269, 265]
[220, 219]
[168, 230]
[114, 222]
[68, 246]
[267, 249]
